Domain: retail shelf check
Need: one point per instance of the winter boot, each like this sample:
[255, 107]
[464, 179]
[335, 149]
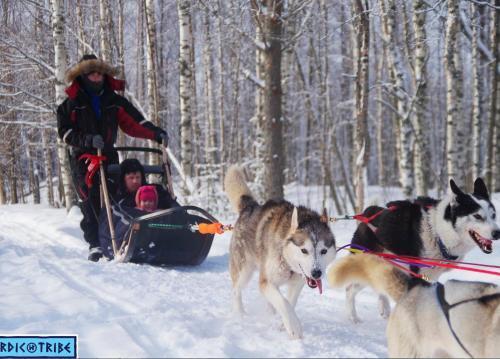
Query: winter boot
[95, 253]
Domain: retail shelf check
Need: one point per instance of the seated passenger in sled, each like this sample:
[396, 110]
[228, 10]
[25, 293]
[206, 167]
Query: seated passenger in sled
[146, 199]
[134, 198]
[132, 177]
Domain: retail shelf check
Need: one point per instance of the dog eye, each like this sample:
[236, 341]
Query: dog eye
[493, 216]
[478, 217]
[303, 250]
[323, 251]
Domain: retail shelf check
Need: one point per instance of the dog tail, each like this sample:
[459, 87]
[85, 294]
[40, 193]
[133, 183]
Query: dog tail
[236, 189]
[369, 270]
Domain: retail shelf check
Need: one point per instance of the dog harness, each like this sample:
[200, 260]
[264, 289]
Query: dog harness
[444, 251]
[445, 307]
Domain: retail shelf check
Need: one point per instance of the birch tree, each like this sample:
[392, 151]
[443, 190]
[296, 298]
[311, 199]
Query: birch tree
[81, 29]
[495, 95]
[422, 155]
[104, 18]
[454, 82]
[476, 92]
[60, 65]
[151, 75]
[401, 94]
[361, 142]
[186, 83]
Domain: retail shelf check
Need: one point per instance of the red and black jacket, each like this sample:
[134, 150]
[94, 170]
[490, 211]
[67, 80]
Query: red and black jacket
[77, 122]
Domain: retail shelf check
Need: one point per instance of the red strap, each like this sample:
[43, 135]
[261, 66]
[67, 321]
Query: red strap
[93, 162]
[367, 220]
[437, 263]
[403, 268]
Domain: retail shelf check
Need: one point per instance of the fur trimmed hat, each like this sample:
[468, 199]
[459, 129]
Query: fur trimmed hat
[88, 64]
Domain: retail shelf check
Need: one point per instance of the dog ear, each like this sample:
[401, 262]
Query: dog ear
[480, 189]
[454, 188]
[295, 220]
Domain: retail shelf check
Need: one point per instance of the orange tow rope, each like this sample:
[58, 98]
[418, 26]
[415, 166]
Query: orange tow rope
[213, 228]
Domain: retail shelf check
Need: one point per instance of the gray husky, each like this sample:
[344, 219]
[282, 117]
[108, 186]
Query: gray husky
[456, 319]
[286, 244]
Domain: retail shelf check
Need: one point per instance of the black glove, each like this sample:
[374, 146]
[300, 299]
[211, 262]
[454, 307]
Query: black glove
[162, 137]
[97, 142]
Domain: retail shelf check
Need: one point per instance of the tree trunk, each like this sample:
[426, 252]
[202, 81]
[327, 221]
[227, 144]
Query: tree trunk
[489, 170]
[271, 21]
[346, 89]
[380, 120]
[121, 140]
[361, 142]
[151, 66]
[3, 199]
[258, 119]
[422, 155]
[495, 96]
[477, 83]
[34, 188]
[309, 115]
[121, 40]
[222, 91]
[81, 29]
[60, 62]
[454, 137]
[185, 84]
[104, 18]
[14, 198]
[396, 65]
[139, 72]
[49, 171]
[210, 147]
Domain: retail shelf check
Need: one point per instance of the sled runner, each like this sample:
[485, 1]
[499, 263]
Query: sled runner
[164, 237]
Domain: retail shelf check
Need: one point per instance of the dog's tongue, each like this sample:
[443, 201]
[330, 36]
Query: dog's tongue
[487, 245]
[313, 283]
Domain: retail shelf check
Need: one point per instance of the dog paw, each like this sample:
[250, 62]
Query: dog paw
[384, 313]
[294, 328]
[296, 334]
[270, 309]
[355, 319]
[239, 313]
[384, 308]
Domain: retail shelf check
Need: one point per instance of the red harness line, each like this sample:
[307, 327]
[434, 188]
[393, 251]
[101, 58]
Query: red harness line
[404, 269]
[437, 263]
[451, 261]
[367, 220]
[421, 260]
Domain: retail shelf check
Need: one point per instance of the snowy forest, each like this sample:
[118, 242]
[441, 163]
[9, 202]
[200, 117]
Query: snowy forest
[336, 94]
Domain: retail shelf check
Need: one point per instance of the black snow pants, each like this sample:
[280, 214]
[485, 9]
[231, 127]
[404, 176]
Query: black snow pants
[89, 197]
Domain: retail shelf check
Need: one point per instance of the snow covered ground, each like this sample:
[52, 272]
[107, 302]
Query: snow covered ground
[128, 310]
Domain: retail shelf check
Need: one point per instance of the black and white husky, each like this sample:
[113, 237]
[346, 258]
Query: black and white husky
[445, 229]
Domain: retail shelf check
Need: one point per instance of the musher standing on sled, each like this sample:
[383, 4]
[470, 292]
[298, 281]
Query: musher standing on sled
[88, 120]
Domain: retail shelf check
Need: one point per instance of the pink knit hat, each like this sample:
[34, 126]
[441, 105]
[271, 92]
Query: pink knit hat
[146, 193]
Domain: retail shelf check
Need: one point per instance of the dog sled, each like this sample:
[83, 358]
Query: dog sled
[164, 237]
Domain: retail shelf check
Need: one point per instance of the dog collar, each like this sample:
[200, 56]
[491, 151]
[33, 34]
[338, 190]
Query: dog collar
[444, 250]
